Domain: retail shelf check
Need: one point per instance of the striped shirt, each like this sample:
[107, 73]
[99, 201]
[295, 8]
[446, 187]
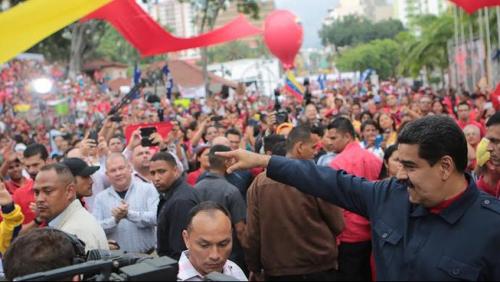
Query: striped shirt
[137, 232]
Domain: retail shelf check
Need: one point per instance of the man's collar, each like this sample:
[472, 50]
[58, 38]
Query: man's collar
[186, 269]
[55, 222]
[456, 210]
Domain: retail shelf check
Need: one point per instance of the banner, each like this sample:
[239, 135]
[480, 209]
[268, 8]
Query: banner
[149, 38]
[30, 22]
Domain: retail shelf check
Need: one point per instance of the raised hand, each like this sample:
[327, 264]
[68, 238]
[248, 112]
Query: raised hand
[5, 197]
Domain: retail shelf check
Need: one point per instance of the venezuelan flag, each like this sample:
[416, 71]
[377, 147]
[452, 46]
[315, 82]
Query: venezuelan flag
[293, 87]
[30, 22]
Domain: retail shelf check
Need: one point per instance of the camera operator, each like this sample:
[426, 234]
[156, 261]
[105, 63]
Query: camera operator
[39, 250]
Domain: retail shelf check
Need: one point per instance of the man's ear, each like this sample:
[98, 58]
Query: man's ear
[185, 236]
[447, 166]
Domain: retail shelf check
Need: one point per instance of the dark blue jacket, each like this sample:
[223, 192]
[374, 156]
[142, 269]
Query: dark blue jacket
[409, 242]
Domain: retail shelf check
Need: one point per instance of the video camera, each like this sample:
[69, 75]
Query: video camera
[281, 114]
[102, 265]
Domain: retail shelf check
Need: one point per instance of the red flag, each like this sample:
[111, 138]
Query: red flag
[495, 98]
[471, 6]
[149, 38]
[163, 128]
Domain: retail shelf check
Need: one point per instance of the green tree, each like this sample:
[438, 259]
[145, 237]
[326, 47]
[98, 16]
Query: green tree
[429, 50]
[206, 14]
[236, 50]
[380, 55]
[353, 30]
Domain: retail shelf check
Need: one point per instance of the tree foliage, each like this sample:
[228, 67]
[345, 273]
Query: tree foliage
[380, 55]
[429, 50]
[236, 50]
[353, 30]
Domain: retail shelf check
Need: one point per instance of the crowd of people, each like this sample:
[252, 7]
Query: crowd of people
[357, 201]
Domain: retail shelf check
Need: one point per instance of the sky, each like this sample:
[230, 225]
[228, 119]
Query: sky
[311, 13]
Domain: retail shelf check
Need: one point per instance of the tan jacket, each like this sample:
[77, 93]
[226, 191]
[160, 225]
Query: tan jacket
[76, 220]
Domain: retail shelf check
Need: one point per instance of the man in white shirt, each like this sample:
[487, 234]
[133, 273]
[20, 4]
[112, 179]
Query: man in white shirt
[209, 241]
[127, 209]
[56, 202]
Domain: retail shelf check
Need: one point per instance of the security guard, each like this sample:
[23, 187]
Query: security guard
[431, 223]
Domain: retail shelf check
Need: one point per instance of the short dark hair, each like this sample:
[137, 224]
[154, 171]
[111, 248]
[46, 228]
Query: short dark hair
[117, 136]
[166, 157]
[384, 172]
[494, 119]
[38, 250]
[298, 134]
[437, 136]
[279, 149]
[318, 130]
[61, 170]
[369, 122]
[207, 206]
[215, 161]
[36, 149]
[343, 125]
[233, 131]
[271, 140]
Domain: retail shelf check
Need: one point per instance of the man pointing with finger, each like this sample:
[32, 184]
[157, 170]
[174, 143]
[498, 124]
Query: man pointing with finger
[431, 223]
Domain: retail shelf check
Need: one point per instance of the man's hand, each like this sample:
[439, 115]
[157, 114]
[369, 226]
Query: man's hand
[135, 140]
[156, 139]
[87, 146]
[245, 159]
[102, 147]
[5, 197]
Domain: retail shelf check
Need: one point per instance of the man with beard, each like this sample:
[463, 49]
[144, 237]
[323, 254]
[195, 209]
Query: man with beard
[421, 219]
[35, 157]
[82, 173]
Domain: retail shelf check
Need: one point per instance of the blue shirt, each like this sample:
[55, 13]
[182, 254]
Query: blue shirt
[137, 232]
[409, 242]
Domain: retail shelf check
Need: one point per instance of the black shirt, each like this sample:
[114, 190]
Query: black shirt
[173, 211]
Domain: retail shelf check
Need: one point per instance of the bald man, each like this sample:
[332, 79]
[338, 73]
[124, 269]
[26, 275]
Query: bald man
[208, 238]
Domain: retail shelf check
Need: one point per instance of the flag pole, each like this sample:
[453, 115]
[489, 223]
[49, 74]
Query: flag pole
[488, 47]
[472, 49]
[455, 18]
[481, 36]
[464, 48]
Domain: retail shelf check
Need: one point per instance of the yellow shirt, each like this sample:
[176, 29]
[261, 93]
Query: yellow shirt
[10, 225]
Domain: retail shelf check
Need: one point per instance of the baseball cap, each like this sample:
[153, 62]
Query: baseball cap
[79, 167]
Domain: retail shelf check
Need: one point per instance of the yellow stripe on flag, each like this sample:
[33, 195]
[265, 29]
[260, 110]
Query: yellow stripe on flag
[30, 22]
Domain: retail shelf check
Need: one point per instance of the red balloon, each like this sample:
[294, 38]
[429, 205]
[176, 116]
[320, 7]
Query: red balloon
[283, 35]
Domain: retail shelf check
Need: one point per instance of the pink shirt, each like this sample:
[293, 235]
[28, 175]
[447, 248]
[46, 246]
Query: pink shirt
[359, 162]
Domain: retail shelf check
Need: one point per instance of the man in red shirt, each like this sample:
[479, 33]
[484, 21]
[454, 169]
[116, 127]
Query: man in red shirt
[463, 114]
[35, 157]
[15, 174]
[355, 246]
